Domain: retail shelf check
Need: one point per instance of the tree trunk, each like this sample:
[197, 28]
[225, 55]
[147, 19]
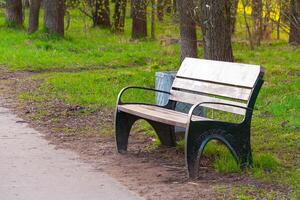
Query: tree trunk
[267, 21]
[168, 6]
[26, 3]
[188, 36]
[14, 13]
[153, 5]
[54, 16]
[119, 15]
[294, 36]
[175, 6]
[131, 8]
[34, 15]
[257, 21]
[234, 8]
[160, 10]
[248, 29]
[279, 19]
[216, 29]
[101, 14]
[139, 19]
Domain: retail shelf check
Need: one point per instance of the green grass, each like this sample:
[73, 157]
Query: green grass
[250, 192]
[82, 48]
[95, 89]
[224, 162]
[90, 66]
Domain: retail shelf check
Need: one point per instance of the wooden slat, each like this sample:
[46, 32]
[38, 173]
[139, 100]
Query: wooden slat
[159, 114]
[212, 88]
[221, 72]
[195, 98]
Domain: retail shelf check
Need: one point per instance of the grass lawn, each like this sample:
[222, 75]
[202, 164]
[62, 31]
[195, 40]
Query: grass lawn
[90, 66]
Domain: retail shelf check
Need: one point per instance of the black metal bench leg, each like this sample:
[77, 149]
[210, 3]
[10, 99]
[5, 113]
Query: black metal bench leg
[195, 144]
[165, 133]
[243, 150]
[123, 124]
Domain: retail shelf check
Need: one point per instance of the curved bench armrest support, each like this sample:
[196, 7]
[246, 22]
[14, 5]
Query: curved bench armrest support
[119, 101]
[216, 103]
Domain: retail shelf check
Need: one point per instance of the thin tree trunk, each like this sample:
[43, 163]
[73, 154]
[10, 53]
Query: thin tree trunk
[139, 19]
[54, 16]
[247, 25]
[14, 13]
[101, 14]
[34, 15]
[131, 8]
[234, 9]
[26, 3]
[267, 22]
[188, 36]
[279, 20]
[119, 15]
[160, 10]
[168, 6]
[153, 5]
[257, 21]
[294, 36]
[216, 29]
[175, 6]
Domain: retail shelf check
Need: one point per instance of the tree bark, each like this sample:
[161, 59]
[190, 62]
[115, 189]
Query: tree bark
[119, 15]
[168, 6]
[139, 19]
[234, 8]
[153, 5]
[257, 21]
[160, 10]
[188, 36]
[216, 29]
[101, 14]
[14, 13]
[248, 28]
[34, 15]
[131, 8]
[175, 6]
[294, 36]
[54, 16]
[267, 21]
[26, 3]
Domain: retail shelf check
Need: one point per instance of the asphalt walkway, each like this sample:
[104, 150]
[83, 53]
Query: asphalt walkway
[31, 169]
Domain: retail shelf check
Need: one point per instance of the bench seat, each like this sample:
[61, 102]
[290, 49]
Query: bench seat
[159, 114]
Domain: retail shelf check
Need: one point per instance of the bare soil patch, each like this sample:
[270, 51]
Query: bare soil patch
[155, 173]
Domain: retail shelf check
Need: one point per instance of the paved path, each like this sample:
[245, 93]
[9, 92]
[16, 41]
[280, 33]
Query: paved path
[31, 169]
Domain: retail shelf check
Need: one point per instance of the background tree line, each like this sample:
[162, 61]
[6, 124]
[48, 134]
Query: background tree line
[217, 19]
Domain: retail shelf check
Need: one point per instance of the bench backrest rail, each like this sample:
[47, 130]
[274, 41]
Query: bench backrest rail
[215, 81]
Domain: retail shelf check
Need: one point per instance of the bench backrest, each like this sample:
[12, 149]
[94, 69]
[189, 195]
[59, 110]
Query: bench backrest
[213, 81]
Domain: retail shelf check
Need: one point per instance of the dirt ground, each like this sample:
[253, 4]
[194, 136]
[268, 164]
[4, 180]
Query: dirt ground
[154, 173]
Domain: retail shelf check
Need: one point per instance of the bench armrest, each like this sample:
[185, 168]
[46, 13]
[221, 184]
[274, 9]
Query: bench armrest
[217, 103]
[119, 101]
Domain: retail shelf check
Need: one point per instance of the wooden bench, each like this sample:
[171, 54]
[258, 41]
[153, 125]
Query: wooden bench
[229, 87]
